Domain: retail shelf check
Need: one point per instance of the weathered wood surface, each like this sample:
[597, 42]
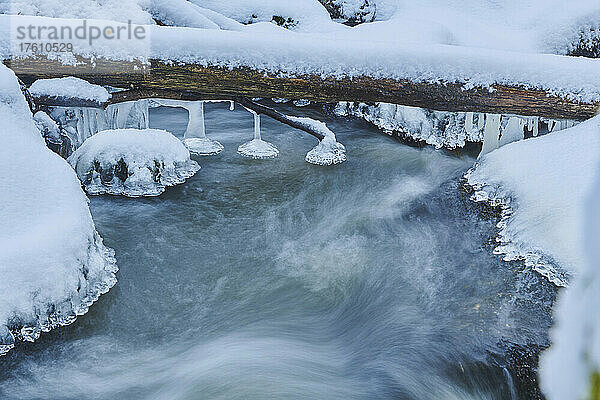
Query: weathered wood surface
[196, 82]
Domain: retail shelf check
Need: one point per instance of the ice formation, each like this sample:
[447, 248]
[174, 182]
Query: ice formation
[491, 133]
[329, 151]
[450, 130]
[541, 185]
[194, 137]
[570, 368]
[132, 162]
[47, 127]
[439, 129]
[258, 148]
[53, 263]
[80, 123]
[69, 87]
[513, 131]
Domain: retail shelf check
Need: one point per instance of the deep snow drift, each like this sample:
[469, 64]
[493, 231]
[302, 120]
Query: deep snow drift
[132, 162]
[52, 261]
[542, 184]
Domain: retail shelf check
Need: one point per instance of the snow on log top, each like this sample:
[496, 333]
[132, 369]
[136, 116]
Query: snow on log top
[285, 53]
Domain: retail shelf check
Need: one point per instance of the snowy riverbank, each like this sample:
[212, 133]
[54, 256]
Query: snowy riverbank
[53, 263]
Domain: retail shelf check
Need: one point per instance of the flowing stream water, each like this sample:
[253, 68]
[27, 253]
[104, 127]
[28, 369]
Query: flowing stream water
[277, 279]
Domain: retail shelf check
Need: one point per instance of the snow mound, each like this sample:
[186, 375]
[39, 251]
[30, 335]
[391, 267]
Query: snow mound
[304, 15]
[132, 162]
[53, 264]
[69, 87]
[541, 185]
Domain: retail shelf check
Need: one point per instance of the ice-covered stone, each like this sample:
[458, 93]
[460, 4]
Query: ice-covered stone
[132, 162]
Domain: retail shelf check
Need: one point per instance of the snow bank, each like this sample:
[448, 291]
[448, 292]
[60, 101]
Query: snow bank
[53, 264]
[541, 185]
[132, 162]
[69, 87]
[535, 26]
[572, 364]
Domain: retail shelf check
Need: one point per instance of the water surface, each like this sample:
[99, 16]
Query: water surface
[279, 279]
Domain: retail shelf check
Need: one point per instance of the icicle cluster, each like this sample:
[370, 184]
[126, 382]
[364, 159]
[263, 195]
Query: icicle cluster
[80, 123]
[450, 129]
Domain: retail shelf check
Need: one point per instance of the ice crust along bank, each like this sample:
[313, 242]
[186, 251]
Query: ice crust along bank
[541, 185]
[52, 261]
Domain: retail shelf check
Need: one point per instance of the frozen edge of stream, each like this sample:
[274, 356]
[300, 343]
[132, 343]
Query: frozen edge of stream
[66, 313]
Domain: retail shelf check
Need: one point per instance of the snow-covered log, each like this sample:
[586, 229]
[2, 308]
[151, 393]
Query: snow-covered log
[219, 82]
[132, 162]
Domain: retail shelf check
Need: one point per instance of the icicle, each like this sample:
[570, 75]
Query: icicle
[480, 121]
[491, 133]
[469, 122]
[536, 126]
[513, 131]
[194, 137]
[530, 121]
[258, 148]
[231, 105]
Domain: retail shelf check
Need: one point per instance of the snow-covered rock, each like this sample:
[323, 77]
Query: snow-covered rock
[542, 184]
[132, 162]
[53, 264]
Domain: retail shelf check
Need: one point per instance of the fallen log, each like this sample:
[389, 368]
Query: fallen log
[197, 81]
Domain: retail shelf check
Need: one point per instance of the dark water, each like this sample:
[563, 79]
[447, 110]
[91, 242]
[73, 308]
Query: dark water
[279, 279]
